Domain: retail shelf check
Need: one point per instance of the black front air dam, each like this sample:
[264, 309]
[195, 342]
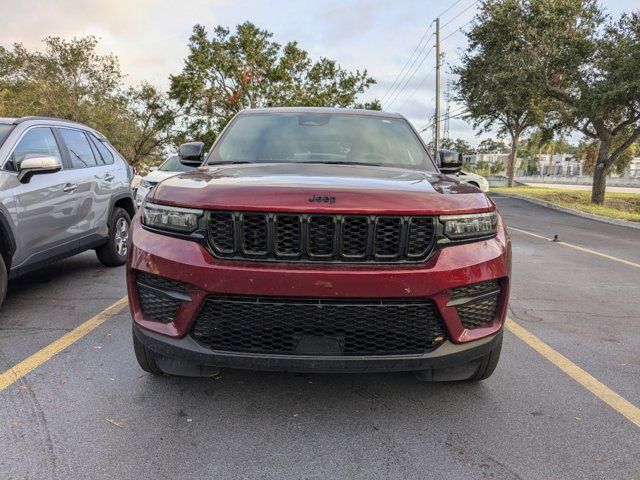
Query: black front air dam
[188, 353]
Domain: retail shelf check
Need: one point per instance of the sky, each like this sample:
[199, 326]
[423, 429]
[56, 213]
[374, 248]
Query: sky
[150, 38]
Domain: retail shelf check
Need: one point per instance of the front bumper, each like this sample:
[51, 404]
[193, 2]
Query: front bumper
[184, 356]
[191, 263]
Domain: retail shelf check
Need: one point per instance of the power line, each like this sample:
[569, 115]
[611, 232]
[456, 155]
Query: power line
[460, 112]
[408, 60]
[449, 8]
[427, 127]
[457, 30]
[460, 13]
[415, 90]
[404, 85]
[400, 85]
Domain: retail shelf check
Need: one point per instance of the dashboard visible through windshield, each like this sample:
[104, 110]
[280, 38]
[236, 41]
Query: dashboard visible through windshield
[321, 138]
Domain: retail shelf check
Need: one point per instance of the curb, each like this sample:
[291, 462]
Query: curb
[571, 211]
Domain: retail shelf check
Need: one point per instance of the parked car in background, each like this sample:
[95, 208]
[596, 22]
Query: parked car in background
[63, 189]
[473, 179]
[169, 168]
[135, 182]
[319, 240]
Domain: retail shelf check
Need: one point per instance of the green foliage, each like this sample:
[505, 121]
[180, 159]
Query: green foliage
[227, 72]
[457, 144]
[70, 80]
[489, 145]
[588, 64]
[497, 79]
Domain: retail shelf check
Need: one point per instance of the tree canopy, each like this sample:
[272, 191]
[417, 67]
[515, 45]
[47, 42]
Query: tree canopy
[226, 72]
[496, 75]
[70, 80]
[588, 64]
[564, 63]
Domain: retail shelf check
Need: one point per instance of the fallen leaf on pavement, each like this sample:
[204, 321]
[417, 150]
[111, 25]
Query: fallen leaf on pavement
[115, 423]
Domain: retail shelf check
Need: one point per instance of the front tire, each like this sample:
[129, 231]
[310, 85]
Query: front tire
[3, 280]
[114, 252]
[475, 371]
[488, 364]
[145, 357]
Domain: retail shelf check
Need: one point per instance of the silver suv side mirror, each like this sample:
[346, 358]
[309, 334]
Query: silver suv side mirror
[36, 166]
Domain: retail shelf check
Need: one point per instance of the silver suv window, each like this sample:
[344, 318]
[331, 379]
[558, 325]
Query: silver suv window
[105, 157]
[5, 130]
[35, 142]
[79, 148]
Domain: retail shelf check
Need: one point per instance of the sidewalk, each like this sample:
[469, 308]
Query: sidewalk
[563, 186]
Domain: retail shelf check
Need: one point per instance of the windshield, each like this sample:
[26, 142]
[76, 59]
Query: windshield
[321, 138]
[5, 130]
[172, 164]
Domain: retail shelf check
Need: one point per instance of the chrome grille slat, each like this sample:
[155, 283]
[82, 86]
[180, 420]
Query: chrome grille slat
[320, 237]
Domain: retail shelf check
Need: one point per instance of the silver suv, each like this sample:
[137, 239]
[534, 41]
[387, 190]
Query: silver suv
[63, 189]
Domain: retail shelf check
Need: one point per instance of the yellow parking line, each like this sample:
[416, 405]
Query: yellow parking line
[578, 247]
[18, 371]
[600, 390]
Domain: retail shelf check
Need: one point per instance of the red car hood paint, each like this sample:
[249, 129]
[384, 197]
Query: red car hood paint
[288, 188]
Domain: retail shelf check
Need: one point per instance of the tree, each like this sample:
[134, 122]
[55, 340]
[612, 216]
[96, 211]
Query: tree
[246, 69]
[155, 117]
[70, 80]
[489, 145]
[496, 76]
[588, 64]
[459, 145]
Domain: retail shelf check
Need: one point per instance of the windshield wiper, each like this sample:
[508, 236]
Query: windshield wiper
[228, 162]
[366, 164]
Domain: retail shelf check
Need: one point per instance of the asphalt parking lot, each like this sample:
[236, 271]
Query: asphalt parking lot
[90, 412]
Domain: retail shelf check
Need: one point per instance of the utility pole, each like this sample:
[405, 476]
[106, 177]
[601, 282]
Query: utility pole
[446, 114]
[436, 141]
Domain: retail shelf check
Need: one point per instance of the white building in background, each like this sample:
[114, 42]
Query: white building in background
[633, 170]
[490, 158]
[563, 164]
[556, 164]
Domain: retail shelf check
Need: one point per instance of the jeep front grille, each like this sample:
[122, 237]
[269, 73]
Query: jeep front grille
[318, 237]
[288, 326]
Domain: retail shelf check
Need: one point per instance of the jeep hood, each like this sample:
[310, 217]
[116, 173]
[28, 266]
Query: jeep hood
[289, 187]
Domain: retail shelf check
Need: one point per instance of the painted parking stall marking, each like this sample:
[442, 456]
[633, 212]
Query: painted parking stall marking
[18, 371]
[577, 247]
[600, 390]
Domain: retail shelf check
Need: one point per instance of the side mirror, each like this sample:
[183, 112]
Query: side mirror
[449, 161]
[33, 165]
[191, 154]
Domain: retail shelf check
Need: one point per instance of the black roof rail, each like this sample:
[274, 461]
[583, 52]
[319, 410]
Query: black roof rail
[18, 121]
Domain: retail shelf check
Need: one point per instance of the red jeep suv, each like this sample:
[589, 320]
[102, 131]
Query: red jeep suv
[318, 240]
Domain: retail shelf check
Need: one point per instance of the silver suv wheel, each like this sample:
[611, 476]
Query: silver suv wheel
[121, 236]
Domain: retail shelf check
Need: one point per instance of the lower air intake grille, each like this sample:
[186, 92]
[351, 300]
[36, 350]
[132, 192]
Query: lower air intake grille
[351, 327]
[481, 306]
[154, 304]
[478, 313]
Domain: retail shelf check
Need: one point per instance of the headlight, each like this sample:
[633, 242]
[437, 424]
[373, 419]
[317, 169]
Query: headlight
[174, 219]
[462, 227]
